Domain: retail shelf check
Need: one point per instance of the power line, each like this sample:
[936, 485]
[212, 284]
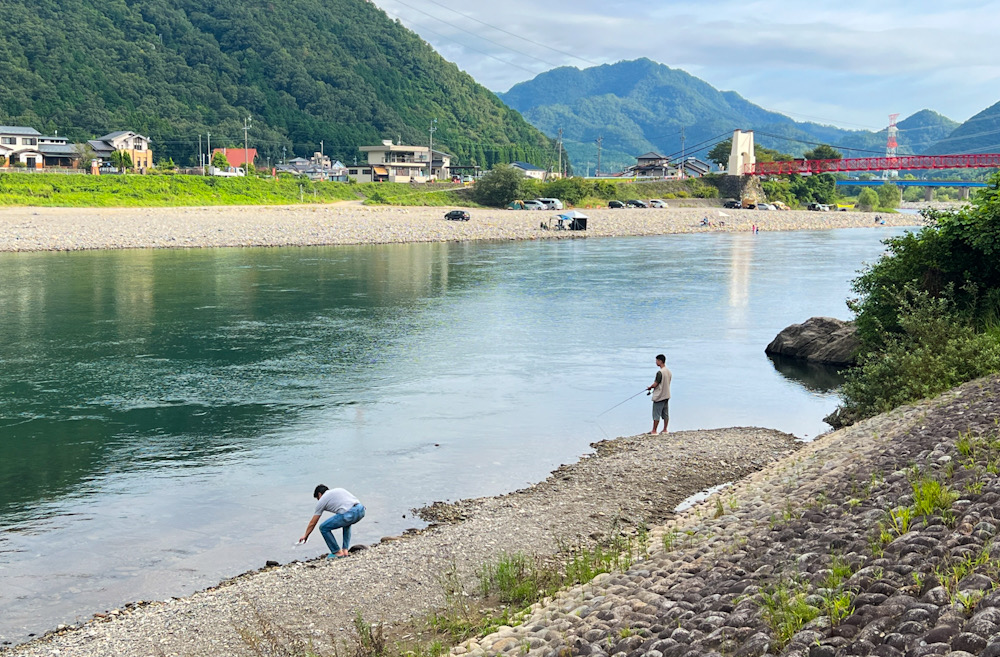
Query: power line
[523, 38]
[478, 36]
[448, 38]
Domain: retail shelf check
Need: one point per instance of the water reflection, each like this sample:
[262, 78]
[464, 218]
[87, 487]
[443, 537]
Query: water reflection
[818, 377]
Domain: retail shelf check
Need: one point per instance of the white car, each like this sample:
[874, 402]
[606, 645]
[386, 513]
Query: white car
[534, 205]
[657, 203]
[551, 203]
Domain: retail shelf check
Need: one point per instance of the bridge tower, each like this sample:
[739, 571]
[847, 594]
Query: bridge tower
[890, 146]
[741, 154]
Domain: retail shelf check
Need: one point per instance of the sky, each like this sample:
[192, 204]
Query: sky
[846, 63]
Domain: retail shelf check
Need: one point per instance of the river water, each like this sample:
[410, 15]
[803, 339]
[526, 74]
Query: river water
[165, 415]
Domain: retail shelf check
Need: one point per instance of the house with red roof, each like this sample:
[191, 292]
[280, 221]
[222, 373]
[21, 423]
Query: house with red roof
[237, 157]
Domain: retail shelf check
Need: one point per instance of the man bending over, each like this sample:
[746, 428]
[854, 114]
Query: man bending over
[346, 510]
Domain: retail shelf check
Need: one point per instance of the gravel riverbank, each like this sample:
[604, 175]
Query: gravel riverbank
[71, 229]
[629, 479]
[874, 540]
[878, 539]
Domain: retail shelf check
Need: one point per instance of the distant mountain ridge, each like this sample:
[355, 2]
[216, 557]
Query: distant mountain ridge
[980, 134]
[640, 105]
[340, 72]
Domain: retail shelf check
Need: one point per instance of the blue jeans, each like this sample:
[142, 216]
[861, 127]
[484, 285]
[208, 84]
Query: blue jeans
[338, 520]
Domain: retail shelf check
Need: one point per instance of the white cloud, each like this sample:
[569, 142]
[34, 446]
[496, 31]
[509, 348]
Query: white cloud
[849, 62]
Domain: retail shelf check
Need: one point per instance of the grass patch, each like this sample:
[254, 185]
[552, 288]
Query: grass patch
[82, 190]
[786, 611]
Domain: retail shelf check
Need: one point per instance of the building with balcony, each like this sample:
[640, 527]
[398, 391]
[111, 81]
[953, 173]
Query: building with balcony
[398, 163]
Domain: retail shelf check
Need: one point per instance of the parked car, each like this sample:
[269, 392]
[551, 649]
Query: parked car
[732, 204]
[657, 203]
[534, 205]
[551, 203]
[457, 215]
[765, 206]
[636, 203]
[615, 204]
[818, 207]
[468, 179]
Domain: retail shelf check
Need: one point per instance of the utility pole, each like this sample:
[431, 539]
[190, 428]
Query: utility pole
[430, 163]
[284, 153]
[246, 149]
[208, 156]
[201, 156]
[560, 153]
[597, 171]
[682, 152]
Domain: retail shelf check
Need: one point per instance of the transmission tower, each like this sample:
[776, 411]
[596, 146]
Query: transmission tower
[890, 145]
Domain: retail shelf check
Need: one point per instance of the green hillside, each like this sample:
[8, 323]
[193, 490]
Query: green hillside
[980, 134]
[640, 106]
[339, 71]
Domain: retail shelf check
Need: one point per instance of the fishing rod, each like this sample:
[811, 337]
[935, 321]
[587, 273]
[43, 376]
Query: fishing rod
[623, 401]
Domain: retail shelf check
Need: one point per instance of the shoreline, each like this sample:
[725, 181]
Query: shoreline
[622, 482]
[33, 229]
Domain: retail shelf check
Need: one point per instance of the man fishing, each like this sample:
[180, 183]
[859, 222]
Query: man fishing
[346, 509]
[661, 394]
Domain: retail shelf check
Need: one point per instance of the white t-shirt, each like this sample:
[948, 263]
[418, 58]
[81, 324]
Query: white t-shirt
[335, 500]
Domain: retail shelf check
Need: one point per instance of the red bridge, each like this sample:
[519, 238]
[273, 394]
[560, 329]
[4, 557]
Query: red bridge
[899, 163]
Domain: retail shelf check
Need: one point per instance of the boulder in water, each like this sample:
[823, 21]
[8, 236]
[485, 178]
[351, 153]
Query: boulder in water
[818, 339]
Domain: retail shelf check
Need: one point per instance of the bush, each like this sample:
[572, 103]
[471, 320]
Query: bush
[499, 186]
[867, 199]
[937, 349]
[889, 196]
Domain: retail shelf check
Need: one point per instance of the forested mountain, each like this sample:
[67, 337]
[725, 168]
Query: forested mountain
[640, 105]
[980, 134]
[339, 71]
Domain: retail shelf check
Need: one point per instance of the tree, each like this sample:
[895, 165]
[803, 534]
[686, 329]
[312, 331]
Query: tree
[762, 154]
[823, 152]
[121, 160]
[3, 160]
[867, 199]
[219, 160]
[87, 155]
[499, 186]
[720, 153]
[889, 196]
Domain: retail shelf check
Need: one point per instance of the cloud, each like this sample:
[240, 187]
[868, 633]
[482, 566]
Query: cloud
[852, 62]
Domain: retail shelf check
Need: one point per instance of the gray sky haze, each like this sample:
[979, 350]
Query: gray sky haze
[848, 63]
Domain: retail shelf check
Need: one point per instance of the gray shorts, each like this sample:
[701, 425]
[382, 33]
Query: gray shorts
[661, 410]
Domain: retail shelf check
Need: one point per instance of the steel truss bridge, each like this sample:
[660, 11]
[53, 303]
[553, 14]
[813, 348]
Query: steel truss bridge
[859, 164]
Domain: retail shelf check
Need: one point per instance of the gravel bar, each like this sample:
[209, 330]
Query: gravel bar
[642, 478]
[72, 229]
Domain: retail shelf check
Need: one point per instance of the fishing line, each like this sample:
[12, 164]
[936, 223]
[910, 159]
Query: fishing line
[613, 408]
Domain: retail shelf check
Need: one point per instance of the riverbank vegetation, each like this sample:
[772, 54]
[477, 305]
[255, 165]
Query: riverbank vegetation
[503, 593]
[81, 190]
[928, 311]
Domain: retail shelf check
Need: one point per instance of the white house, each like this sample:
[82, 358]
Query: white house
[397, 163]
[19, 145]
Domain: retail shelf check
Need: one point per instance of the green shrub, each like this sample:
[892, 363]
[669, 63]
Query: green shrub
[937, 349]
[867, 199]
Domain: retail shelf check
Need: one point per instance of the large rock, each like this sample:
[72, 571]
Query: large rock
[818, 339]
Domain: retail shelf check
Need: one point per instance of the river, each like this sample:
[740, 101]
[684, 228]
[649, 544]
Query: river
[165, 414]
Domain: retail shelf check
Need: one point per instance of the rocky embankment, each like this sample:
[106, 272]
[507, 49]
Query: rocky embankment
[878, 539]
